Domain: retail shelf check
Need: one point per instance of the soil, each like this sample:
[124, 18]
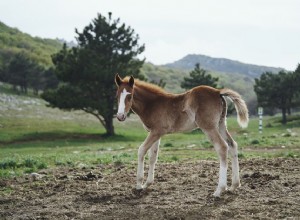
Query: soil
[270, 190]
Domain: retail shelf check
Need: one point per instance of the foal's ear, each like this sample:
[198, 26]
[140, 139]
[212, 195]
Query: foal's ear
[118, 80]
[131, 81]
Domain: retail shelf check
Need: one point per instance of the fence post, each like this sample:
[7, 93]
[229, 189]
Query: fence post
[260, 113]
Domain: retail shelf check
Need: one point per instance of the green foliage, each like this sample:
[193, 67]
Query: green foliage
[23, 60]
[27, 163]
[255, 142]
[8, 164]
[168, 144]
[161, 83]
[105, 47]
[13, 41]
[170, 76]
[278, 91]
[18, 71]
[198, 77]
[23, 73]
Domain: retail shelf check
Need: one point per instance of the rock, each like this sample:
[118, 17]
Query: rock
[35, 176]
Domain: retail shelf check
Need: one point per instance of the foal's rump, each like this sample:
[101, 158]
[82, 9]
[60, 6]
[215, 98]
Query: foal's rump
[208, 105]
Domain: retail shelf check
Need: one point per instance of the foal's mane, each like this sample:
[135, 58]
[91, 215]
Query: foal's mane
[149, 87]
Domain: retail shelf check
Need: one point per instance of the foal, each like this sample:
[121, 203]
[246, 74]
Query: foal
[162, 113]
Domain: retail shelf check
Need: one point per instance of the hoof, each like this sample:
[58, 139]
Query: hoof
[219, 191]
[147, 184]
[217, 194]
[139, 187]
[234, 187]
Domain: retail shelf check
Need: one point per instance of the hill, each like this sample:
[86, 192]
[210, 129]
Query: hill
[13, 41]
[221, 65]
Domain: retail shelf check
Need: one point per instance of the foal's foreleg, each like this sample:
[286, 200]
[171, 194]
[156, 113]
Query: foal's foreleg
[153, 153]
[150, 140]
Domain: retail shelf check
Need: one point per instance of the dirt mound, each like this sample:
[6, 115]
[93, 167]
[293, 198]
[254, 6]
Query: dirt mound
[270, 190]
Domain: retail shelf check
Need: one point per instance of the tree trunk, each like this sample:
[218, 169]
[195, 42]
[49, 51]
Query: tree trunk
[110, 130]
[109, 127]
[284, 116]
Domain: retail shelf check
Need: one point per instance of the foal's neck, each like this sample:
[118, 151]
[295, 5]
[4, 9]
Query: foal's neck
[142, 97]
[139, 99]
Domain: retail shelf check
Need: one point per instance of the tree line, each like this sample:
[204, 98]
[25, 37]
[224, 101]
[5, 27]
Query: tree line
[23, 73]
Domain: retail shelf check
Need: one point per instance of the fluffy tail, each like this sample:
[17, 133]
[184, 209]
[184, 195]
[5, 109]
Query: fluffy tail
[240, 106]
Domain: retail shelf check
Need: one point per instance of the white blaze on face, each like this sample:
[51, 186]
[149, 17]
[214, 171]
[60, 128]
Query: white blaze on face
[121, 109]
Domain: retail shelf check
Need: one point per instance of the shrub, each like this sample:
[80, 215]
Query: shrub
[168, 144]
[255, 142]
[8, 164]
[30, 162]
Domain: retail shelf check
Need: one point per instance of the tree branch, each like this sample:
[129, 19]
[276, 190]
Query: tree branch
[96, 115]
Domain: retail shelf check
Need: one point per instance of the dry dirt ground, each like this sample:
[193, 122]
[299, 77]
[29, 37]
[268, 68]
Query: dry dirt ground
[270, 190]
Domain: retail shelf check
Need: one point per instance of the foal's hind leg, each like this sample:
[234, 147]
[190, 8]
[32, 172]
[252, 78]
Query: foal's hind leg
[221, 148]
[153, 152]
[150, 140]
[234, 155]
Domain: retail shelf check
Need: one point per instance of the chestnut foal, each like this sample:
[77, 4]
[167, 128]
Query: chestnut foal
[162, 113]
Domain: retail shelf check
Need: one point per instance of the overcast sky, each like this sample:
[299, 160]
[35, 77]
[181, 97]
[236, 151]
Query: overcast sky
[264, 32]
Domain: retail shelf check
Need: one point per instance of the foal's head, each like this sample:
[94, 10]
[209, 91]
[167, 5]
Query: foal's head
[124, 95]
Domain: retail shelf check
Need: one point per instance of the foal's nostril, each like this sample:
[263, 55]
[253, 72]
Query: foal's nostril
[121, 116]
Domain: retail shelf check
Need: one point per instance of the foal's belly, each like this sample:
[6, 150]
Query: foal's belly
[188, 126]
[183, 124]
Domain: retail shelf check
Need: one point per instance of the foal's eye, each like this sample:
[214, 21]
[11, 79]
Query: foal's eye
[129, 97]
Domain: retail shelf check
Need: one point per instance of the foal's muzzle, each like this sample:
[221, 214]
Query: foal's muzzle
[121, 116]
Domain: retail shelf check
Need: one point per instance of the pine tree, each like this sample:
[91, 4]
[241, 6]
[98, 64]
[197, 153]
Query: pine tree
[105, 47]
[198, 77]
[18, 71]
[276, 91]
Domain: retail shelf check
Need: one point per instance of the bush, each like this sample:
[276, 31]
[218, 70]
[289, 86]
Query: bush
[174, 158]
[30, 163]
[241, 155]
[42, 165]
[8, 164]
[255, 142]
[168, 144]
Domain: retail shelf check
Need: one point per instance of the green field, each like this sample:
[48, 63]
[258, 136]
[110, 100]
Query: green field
[35, 137]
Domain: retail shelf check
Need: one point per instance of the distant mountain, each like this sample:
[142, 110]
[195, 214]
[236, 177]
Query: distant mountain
[221, 65]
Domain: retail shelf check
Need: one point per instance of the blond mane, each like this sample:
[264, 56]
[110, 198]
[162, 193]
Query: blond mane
[147, 86]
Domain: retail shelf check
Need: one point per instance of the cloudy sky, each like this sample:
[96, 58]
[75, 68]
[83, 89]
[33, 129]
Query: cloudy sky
[264, 32]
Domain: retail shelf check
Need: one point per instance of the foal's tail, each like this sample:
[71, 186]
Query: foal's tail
[240, 106]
